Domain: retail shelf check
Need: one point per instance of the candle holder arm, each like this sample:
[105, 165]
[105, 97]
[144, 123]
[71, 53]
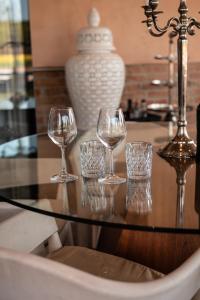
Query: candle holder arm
[192, 23]
[154, 28]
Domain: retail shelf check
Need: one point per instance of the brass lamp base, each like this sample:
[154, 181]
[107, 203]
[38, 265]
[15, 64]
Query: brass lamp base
[180, 147]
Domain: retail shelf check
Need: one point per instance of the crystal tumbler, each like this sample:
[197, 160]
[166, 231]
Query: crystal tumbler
[139, 160]
[92, 157]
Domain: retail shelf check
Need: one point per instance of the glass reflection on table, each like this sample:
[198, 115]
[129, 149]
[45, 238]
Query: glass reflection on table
[93, 195]
[181, 167]
[139, 197]
[99, 198]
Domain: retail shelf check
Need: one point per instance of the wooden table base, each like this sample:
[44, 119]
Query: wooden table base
[161, 251]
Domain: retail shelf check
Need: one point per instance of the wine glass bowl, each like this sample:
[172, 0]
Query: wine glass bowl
[62, 131]
[111, 130]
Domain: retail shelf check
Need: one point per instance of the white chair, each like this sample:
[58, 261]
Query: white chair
[25, 276]
[26, 231]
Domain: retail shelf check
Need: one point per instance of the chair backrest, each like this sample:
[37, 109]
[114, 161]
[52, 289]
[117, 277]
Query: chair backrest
[25, 276]
[26, 230]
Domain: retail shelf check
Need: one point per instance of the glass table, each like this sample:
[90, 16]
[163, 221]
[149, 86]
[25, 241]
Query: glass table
[143, 221]
[168, 202]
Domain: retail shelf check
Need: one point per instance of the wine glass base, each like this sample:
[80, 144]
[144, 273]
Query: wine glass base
[112, 180]
[63, 178]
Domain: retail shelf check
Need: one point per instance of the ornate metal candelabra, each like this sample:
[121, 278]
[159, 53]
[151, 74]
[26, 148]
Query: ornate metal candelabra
[181, 146]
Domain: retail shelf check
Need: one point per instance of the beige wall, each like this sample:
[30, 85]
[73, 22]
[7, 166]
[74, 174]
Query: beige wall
[54, 24]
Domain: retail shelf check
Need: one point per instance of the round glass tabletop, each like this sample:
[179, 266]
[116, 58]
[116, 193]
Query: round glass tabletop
[167, 202]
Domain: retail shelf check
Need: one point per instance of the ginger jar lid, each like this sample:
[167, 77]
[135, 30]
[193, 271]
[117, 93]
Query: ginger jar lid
[94, 37]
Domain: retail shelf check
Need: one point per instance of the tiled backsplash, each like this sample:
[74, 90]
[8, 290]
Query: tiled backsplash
[50, 88]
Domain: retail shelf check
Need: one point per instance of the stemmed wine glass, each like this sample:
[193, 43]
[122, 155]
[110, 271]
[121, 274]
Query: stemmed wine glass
[111, 130]
[62, 130]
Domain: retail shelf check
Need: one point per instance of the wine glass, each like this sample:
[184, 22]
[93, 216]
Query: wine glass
[111, 130]
[62, 130]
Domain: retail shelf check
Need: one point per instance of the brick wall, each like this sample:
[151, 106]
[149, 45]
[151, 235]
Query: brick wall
[50, 88]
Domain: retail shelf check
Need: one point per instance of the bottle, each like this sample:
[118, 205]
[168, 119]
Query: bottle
[197, 185]
[129, 110]
[143, 108]
[197, 189]
[137, 111]
[198, 133]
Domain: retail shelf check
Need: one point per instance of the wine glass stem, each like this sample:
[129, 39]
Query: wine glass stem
[111, 172]
[63, 162]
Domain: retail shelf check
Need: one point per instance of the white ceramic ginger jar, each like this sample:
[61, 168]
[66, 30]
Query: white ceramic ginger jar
[95, 76]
